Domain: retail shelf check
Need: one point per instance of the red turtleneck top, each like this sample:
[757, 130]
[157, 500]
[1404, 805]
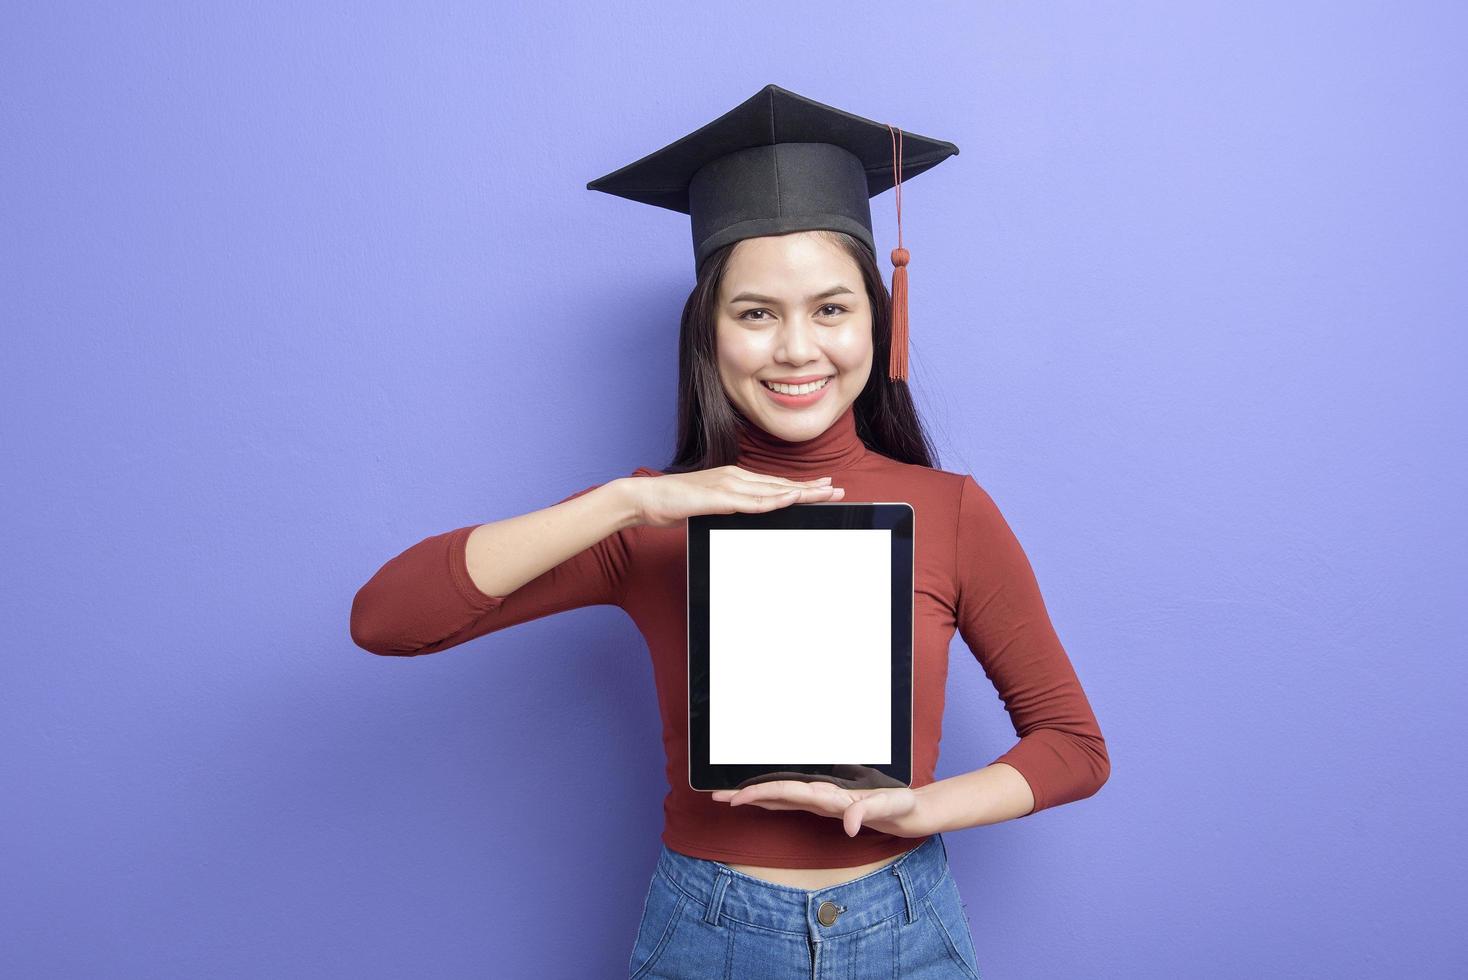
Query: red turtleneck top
[970, 576]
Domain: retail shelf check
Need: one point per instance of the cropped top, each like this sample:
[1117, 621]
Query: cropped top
[970, 576]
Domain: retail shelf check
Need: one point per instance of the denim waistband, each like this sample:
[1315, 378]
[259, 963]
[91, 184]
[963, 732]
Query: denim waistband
[896, 888]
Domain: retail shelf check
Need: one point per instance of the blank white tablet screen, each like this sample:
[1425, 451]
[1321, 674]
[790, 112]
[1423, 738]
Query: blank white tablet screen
[800, 646]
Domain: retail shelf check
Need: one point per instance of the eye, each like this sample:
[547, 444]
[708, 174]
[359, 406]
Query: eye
[746, 315]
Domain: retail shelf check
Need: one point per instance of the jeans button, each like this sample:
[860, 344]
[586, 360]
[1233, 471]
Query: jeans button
[827, 913]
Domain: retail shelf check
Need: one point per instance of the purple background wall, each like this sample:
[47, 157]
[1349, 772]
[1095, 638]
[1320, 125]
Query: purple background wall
[288, 287]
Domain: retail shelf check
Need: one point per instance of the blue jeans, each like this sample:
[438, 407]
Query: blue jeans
[702, 920]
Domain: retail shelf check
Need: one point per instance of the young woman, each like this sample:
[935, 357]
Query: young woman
[781, 401]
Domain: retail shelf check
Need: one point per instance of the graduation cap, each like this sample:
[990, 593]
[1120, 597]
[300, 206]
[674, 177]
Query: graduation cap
[780, 162]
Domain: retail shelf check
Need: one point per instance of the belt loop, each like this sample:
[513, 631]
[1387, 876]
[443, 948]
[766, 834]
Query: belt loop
[716, 899]
[901, 873]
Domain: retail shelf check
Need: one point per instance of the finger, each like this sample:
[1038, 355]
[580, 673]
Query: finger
[852, 818]
[766, 477]
[777, 787]
[776, 481]
[781, 495]
[791, 788]
[773, 790]
[787, 805]
[819, 809]
[775, 489]
[759, 502]
[771, 495]
[794, 794]
[808, 494]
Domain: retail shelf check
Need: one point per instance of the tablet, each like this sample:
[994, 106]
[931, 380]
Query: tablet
[800, 628]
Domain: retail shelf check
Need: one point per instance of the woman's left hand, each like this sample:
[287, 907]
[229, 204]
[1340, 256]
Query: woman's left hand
[895, 811]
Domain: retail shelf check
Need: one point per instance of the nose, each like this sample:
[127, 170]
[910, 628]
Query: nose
[797, 343]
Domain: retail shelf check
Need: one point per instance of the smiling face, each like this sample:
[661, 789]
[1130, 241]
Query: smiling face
[793, 308]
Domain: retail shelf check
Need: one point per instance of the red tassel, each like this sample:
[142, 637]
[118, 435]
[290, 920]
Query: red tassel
[897, 366]
[897, 363]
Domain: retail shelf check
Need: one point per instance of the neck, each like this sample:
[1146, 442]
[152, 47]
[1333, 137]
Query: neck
[835, 449]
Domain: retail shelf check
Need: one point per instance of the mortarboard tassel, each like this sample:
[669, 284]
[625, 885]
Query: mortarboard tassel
[897, 363]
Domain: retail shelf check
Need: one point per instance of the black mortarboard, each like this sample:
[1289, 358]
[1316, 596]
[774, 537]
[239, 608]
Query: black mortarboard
[780, 162]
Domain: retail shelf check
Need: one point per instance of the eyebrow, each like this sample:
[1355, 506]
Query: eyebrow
[835, 290]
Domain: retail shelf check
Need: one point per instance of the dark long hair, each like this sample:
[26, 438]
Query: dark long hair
[886, 420]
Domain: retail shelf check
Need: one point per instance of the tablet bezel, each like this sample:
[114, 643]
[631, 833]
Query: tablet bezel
[898, 518]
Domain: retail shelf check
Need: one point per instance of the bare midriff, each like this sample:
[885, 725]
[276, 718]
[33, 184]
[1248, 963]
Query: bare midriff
[811, 878]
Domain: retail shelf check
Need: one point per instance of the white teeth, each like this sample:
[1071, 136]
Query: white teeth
[796, 389]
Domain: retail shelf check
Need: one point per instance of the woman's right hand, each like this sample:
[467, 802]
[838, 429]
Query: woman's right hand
[665, 501]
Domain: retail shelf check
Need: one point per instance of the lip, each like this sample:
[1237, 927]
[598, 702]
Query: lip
[803, 379]
[800, 401]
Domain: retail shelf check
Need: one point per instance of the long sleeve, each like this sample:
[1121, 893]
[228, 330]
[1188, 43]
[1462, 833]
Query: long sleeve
[423, 600]
[1002, 617]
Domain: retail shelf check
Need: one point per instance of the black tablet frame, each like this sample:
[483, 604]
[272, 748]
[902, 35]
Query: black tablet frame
[896, 517]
